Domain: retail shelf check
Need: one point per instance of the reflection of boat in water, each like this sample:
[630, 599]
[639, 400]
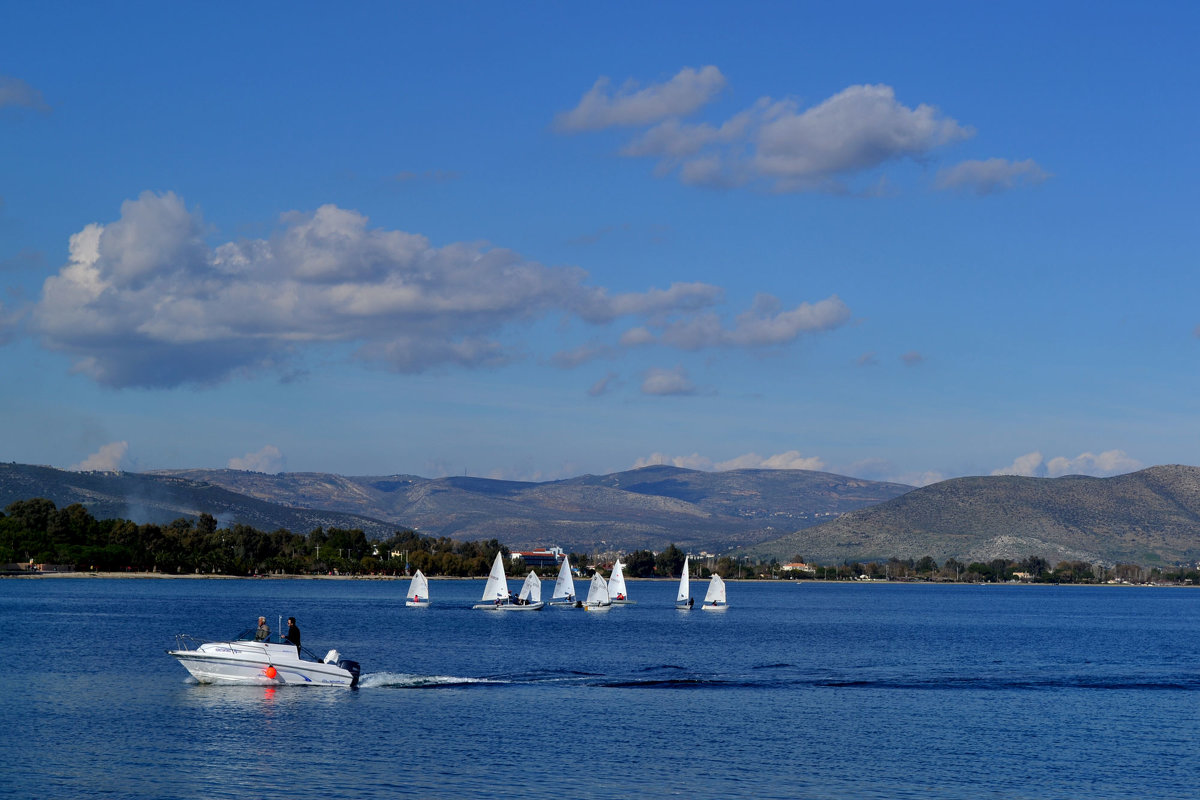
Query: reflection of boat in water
[244, 660]
[418, 591]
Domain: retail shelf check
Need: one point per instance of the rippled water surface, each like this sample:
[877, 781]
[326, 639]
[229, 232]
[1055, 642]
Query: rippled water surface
[796, 691]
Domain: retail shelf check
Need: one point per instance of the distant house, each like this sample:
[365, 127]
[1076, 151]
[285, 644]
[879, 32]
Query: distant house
[550, 557]
[54, 567]
[799, 566]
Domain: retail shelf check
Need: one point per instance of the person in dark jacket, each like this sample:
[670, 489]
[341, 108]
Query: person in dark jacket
[293, 634]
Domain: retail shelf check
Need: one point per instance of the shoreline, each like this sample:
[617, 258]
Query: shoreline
[211, 577]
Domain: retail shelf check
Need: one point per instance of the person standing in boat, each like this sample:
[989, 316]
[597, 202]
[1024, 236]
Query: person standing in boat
[263, 633]
[293, 634]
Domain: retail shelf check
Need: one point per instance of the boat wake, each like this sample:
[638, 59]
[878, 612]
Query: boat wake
[781, 676]
[404, 680]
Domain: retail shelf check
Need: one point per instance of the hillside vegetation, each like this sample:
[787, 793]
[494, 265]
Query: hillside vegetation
[1149, 517]
[643, 508]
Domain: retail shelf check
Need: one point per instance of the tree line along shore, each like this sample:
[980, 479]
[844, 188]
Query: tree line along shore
[36, 532]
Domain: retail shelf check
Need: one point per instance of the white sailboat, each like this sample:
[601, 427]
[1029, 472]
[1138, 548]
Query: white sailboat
[564, 587]
[617, 593]
[495, 591]
[497, 597]
[714, 598]
[418, 591]
[683, 600]
[531, 590]
[598, 599]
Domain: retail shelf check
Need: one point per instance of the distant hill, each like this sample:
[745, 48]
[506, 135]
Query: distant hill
[643, 508]
[160, 499]
[1148, 517]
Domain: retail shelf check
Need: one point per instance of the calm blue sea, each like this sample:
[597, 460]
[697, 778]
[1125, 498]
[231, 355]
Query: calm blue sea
[796, 691]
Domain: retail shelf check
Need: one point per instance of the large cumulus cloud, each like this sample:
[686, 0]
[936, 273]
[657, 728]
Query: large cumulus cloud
[145, 301]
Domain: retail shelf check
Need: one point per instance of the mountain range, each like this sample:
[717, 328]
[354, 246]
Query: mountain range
[1150, 517]
[642, 508]
[1147, 517]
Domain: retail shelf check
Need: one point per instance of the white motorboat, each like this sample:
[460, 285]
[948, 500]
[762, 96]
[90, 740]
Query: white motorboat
[418, 591]
[714, 598]
[496, 595]
[269, 663]
[617, 593]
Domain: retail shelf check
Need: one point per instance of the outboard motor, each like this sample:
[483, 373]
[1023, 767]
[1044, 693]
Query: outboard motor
[353, 668]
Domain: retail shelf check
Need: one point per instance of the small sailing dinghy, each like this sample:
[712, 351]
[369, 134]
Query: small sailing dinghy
[564, 587]
[714, 598]
[497, 597]
[531, 591]
[617, 593]
[683, 600]
[418, 591]
[597, 599]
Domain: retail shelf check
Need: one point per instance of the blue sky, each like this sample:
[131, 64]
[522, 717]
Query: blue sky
[897, 241]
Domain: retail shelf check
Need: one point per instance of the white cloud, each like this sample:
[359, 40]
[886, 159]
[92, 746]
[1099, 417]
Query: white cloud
[636, 337]
[762, 326]
[990, 176]
[1029, 465]
[268, 459]
[1108, 463]
[694, 461]
[601, 107]
[598, 306]
[659, 381]
[19, 94]
[604, 385]
[792, 459]
[580, 355]
[143, 301]
[859, 128]
[775, 142]
[106, 459]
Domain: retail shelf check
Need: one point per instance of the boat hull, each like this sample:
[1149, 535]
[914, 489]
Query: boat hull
[417, 603]
[605, 607]
[509, 607]
[711, 607]
[259, 663]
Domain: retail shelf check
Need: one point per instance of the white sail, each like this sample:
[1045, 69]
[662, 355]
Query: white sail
[564, 587]
[497, 585]
[716, 592]
[685, 584]
[532, 590]
[418, 587]
[598, 591]
[616, 583]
